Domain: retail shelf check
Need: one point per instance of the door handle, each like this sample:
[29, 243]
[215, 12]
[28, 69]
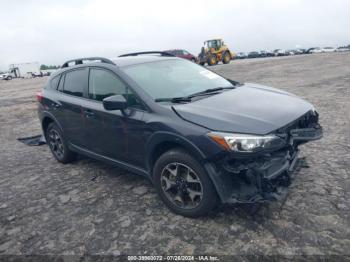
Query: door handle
[88, 113]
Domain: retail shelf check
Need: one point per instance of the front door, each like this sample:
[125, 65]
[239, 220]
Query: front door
[115, 134]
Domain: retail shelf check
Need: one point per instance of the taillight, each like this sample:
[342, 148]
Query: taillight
[39, 96]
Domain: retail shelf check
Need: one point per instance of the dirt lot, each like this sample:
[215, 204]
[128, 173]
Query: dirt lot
[90, 208]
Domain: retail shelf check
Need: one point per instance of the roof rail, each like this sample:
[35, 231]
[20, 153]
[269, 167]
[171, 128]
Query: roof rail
[79, 61]
[161, 53]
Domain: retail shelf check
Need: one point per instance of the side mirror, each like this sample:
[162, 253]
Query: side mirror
[116, 102]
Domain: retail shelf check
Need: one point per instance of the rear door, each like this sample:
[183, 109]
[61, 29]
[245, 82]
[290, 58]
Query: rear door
[73, 89]
[116, 134]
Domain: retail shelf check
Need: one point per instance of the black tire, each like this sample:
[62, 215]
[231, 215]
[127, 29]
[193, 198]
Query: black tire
[212, 60]
[9, 78]
[202, 63]
[59, 150]
[226, 58]
[208, 199]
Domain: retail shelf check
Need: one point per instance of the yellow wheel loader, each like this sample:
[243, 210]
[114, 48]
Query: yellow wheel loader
[214, 51]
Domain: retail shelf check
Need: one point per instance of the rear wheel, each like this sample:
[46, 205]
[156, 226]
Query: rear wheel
[226, 58]
[183, 184]
[58, 145]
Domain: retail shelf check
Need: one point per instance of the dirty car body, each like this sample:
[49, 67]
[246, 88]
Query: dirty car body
[245, 136]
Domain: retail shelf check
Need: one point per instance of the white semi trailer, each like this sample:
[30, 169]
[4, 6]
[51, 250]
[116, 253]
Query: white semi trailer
[24, 70]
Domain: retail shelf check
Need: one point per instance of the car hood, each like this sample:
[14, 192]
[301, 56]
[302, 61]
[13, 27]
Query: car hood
[250, 108]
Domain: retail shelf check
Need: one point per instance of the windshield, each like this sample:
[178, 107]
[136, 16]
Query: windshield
[174, 78]
[213, 43]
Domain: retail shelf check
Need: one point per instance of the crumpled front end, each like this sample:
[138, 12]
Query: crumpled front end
[266, 176]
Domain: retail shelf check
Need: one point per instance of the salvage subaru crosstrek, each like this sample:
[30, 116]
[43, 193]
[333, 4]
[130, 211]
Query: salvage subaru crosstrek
[200, 138]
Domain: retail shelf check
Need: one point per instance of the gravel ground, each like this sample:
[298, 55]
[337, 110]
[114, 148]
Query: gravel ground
[90, 208]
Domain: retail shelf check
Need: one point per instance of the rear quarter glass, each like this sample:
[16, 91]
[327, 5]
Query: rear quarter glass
[53, 83]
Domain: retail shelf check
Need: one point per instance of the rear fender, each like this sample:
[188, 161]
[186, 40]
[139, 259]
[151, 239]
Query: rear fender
[47, 114]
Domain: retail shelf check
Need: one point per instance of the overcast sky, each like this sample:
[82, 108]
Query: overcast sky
[51, 32]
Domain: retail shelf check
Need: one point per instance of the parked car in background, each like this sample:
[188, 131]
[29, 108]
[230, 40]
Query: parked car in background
[253, 54]
[279, 52]
[201, 139]
[6, 76]
[270, 53]
[290, 52]
[241, 55]
[302, 50]
[328, 49]
[40, 74]
[315, 50]
[182, 53]
[299, 51]
[343, 49]
[263, 53]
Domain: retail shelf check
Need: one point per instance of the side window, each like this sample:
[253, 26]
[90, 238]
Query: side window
[185, 52]
[103, 84]
[74, 82]
[54, 82]
[133, 100]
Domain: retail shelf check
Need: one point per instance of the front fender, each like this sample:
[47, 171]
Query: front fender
[161, 137]
[218, 180]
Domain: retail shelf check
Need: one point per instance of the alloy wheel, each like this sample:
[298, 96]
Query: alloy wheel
[181, 185]
[56, 144]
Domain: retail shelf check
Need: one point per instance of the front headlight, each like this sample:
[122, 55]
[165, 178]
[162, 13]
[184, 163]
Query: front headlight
[246, 143]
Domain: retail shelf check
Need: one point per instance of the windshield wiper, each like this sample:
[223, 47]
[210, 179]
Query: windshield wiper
[209, 91]
[174, 99]
[189, 97]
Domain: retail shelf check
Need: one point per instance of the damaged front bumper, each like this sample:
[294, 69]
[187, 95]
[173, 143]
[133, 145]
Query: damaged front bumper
[265, 180]
[265, 176]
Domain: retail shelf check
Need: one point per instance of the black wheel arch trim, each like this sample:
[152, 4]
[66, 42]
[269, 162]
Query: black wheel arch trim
[163, 137]
[47, 114]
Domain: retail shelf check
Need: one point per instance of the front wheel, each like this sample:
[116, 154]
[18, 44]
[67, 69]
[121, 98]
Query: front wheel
[183, 184]
[212, 60]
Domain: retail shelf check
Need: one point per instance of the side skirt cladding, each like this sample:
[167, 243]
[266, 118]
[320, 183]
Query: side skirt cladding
[110, 161]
